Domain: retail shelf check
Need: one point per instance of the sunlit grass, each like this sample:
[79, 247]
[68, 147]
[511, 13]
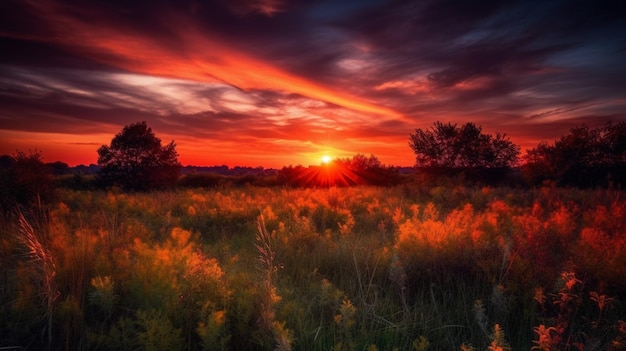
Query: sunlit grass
[319, 269]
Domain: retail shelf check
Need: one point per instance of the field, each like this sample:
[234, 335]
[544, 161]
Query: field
[357, 268]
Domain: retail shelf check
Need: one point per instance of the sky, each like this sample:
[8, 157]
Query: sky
[274, 83]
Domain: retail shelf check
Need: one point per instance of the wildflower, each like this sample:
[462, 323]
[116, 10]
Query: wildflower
[546, 339]
[421, 343]
[569, 279]
[346, 317]
[601, 300]
[498, 342]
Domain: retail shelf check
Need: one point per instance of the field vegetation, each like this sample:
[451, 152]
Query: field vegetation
[469, 252]
[410, 267]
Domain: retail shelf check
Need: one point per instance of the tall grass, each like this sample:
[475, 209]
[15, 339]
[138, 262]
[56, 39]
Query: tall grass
[44, 270]
[361, 268]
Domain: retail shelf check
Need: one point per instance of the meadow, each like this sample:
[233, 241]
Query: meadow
[356, 268]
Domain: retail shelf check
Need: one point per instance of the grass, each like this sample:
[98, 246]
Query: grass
[362, 268]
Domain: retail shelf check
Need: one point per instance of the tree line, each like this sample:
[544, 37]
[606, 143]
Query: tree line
[136, 160]
[585, 157]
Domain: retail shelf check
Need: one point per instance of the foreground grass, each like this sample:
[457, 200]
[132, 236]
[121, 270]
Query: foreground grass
[362, 268]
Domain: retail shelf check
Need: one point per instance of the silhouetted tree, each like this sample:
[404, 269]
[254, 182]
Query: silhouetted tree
[369, 170]
[58, 167]
[584, 157]
[446, 149]
[297, 176]
[358, 170]
[136, 160]
[24, 179]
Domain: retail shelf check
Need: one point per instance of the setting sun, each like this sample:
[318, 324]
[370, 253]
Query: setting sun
[326, 159]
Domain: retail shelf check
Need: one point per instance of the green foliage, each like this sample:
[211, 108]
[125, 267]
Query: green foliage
[103, 296]
[145, 330]
[135, 160]
[325, 218]
[122, 336]
[156, 332]
[212, 331]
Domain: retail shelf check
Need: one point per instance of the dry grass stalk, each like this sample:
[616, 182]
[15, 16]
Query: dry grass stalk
[266, 260]
[266, 264]
[44, 263]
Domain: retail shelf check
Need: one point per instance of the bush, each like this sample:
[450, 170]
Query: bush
[24, 180]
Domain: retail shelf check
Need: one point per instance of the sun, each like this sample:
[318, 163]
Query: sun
[326, 159]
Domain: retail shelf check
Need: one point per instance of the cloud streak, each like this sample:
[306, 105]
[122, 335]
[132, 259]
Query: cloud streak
[193, 57]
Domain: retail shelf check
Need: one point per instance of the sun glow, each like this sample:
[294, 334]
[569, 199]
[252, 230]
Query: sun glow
[326, 159]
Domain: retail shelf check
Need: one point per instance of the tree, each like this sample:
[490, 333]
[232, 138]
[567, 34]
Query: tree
[585, 157]
[58, 167]
[448, 149]
[368, 170]
[24, 180]
[358, 170]
[448, 146]
[135, 160]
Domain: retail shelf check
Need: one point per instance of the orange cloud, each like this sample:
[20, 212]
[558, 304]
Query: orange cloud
[193, 56]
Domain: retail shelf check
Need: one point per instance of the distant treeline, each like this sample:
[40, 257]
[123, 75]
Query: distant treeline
[446, 154]
[62, 168]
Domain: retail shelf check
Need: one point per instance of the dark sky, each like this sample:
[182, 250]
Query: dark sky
[274, 83]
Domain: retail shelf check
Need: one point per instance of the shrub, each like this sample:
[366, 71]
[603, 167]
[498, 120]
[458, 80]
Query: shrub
[24, 180]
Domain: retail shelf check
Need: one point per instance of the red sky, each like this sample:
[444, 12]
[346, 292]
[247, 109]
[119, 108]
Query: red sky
[274, 83]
